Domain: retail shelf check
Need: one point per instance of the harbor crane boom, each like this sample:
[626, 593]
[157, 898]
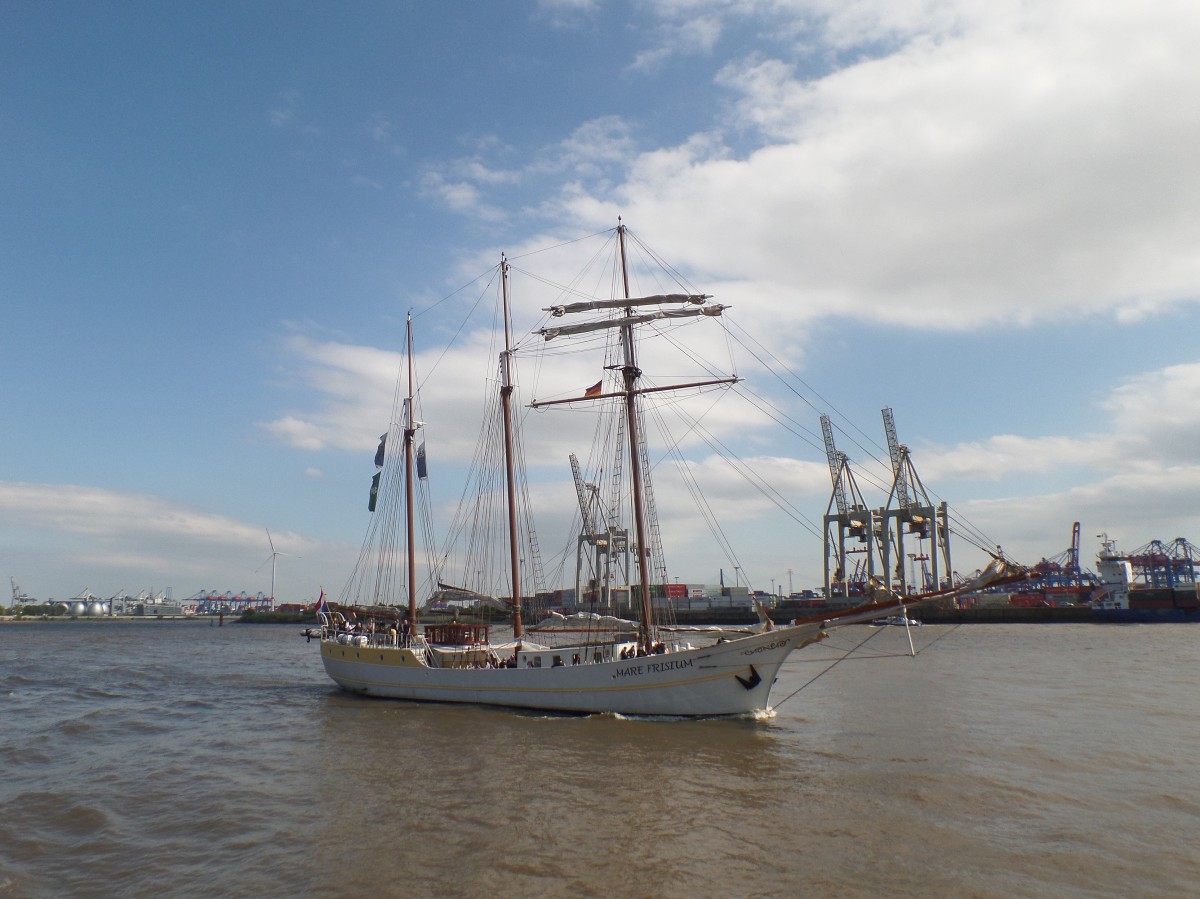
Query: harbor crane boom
[837, 463]
[585, 505]
[899, 456]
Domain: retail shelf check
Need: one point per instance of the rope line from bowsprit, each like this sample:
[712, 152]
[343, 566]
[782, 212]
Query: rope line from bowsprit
[852, 650]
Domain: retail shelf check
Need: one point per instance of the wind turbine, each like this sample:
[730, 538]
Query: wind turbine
[274, 554]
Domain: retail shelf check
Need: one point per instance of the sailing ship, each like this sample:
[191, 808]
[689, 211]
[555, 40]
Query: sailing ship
[606, 664]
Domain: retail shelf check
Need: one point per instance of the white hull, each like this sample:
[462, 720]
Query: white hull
[729, 678]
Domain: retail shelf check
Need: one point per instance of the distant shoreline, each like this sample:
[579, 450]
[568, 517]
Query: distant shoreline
[20, 619]
[135, 619]
[987, 615]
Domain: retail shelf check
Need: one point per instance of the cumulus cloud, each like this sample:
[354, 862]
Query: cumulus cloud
[592, 149]
[1133, 508]
[941, 165]
[695, 34]
[1155, 428]
[458, 195]
[355, 385]
[1160, 409]
[955, 183]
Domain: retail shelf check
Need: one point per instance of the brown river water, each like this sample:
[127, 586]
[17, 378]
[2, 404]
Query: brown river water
[183, 759]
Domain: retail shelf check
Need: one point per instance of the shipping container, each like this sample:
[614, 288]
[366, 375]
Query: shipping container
[1026, 600]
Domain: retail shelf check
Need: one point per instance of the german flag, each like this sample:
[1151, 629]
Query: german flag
[594, 390]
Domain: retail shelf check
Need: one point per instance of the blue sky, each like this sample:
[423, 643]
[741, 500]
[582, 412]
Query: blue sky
[214, 215]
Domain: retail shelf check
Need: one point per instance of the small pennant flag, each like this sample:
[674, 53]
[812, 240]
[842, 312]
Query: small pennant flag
[374, 492]
[594, 390]
[422, 466]
[379, 452]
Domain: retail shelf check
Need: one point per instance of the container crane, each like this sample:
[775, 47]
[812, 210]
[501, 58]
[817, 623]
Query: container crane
[19, 598]
[1158, 565]
[1185, 554]
[604, 542]
[1062, 576]
[852, 519]
[909, 510]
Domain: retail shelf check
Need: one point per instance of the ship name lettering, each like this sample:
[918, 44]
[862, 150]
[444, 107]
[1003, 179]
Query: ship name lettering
[767, 648]
[672, 665]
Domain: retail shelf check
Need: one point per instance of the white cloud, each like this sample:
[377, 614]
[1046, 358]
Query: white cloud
[592, 149]
[693, 35]
[1160, 409]
[356, 384]
[458, 196]
[1004, 455]
[111, 539]
[1154, 430]
[955, 165]
[1133, 508]
[936, 165]
[1140, 476]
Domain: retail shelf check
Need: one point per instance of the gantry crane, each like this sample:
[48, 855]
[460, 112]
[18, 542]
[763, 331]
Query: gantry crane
[1158, 564]
[19, 598]
[605, 541]
[852, 519]
[910, 511]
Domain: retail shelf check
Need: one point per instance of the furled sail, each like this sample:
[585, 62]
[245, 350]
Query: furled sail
[696, 299]
[584, 327]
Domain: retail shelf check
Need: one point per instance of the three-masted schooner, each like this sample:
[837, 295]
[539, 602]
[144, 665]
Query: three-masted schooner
[640, 671]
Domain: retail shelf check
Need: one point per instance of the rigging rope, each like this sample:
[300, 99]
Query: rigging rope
[849, 652]
[604, 272]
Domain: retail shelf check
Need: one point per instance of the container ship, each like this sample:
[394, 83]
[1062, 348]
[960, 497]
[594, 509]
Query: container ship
[1117, 599]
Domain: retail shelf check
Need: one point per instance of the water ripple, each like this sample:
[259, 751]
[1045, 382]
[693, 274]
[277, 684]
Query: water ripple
[180, 760]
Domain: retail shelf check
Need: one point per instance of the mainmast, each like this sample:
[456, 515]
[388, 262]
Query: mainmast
[631, 373]
[506, 389]
[671, 307]
[410, 430]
